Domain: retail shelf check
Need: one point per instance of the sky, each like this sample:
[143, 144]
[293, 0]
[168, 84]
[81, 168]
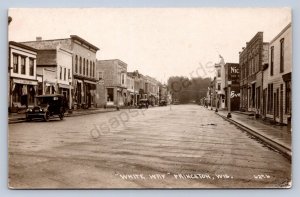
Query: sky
[159, 42]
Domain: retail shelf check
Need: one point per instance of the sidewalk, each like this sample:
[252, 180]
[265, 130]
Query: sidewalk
[278, 137]
[20, 117]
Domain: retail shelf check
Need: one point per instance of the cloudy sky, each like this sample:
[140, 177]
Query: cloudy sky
[159, 42]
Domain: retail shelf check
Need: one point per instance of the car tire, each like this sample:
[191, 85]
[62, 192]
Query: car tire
[46, 116]
[61, 116]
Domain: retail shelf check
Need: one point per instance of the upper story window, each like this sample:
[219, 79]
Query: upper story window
[100, 75]
[80, 65]
[15, 63]
[65, 74]
[93, 69]
[282, 55]
[76, 64]
[69, 73]
[272, 61]
[60, 73]
[122, 78]
[31, 66]
[91, 65]
[219, 86]
[83, 66]
[87, 67]
[23, 65]
[219, 72]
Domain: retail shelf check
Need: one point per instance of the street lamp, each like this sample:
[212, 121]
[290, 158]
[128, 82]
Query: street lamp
[229, 99]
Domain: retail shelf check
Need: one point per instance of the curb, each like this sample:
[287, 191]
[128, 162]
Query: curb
[19, 120]
[275, 145]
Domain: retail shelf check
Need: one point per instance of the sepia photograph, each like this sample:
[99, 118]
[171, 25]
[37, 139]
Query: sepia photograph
[149, 98]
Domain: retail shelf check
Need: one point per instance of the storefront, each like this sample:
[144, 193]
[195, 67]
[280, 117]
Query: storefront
[23, 92]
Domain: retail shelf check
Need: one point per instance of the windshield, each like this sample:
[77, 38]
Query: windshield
[42, 101]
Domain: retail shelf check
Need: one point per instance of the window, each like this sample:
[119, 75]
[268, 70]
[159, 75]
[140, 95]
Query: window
[80, 65]
[83, 67]
[31, 66]
[76, 64]
[270, 99]
[219, 72]
[15, 63]
[110, 94]
[277, 102]
[69, 73]
[219, 86]
[87, 67]
[23, 65]
[93, 69]
[60, 73]
[122, 78]
[65, 74]
[288, 97]
[91, 74]
[100, 75]
[282, 55]
[272, 61]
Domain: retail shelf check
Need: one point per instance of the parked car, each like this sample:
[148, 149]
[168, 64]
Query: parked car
[163, 103]
[48, 106]
[143, 103]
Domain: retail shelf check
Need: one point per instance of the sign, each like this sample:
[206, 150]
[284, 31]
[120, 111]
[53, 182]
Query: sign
[234, 73]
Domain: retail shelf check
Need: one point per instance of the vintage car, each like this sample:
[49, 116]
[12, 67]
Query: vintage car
[143, 103]
[48, 106]
[162, 103]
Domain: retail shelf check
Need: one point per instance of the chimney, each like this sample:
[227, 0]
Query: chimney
[38, 38]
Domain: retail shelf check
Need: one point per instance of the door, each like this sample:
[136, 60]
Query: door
[281, 104]
[275, 107]
[264, 102]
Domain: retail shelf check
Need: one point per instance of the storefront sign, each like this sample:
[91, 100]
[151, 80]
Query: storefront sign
[24, 81]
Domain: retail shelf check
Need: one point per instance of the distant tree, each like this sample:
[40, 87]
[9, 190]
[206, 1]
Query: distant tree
[186, 90]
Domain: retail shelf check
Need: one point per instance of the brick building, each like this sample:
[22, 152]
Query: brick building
[83, 70]
[277, 93]
[251, 60]
[23, 82]
[114, 74]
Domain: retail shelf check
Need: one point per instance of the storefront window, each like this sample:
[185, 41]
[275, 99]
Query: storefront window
[110, 94]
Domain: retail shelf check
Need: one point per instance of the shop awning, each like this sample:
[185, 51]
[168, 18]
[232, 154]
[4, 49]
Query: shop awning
[64, 86]
[90, 82]
[25, 81]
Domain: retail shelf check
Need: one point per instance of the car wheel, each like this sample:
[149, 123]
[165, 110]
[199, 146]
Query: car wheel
[61, 116]
[28, 119]
[46, 116]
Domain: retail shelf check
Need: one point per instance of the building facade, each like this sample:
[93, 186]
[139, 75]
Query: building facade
[22, 76]
[251, 60]
[114, 73]
[83, 67]
[152, 90]
[130, 90]
[55, 67]
[277, 92]
[232, 86]
[220, 84]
